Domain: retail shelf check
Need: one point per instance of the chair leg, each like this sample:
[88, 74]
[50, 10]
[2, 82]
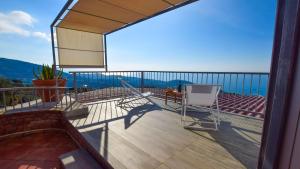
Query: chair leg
[184, 114]
[214, 117]
[181, 114]
[218, 113]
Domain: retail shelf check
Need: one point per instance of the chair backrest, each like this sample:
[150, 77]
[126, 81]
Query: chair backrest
[130, 88]
[203, 95]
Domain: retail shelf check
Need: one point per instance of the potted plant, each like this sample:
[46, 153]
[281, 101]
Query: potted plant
[45, 80]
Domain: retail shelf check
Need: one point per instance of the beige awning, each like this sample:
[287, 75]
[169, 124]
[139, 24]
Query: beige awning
[80, 32]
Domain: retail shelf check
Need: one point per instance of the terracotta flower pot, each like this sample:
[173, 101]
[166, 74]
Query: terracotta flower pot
[49, 95]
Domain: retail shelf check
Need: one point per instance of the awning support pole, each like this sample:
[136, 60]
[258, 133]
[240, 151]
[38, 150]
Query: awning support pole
[61, 12]
[105, 53]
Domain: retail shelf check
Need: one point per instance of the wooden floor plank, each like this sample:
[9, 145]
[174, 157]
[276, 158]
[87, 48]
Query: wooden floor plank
[143, 135]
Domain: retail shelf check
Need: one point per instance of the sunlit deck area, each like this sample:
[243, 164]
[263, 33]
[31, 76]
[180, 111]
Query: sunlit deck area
[146, 135]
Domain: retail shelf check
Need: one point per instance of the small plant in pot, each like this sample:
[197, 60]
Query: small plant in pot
[45, 81]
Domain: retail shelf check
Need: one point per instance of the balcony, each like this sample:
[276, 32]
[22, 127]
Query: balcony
[145, 135]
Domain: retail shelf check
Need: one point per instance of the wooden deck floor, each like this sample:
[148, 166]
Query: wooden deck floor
[146, 136]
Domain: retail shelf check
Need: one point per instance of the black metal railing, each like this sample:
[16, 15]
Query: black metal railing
[16, 99]
[242, 92]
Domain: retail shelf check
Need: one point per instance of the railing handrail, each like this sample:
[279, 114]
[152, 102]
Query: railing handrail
[209, 72]
[24, 88]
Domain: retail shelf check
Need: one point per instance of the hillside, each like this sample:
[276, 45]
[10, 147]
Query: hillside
[18, 70]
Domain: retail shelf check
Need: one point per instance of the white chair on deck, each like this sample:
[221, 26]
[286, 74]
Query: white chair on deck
[204, 96]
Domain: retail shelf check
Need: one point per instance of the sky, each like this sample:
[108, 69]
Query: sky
[209, 35]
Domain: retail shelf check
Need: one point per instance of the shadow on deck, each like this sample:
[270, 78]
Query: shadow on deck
[144, 135]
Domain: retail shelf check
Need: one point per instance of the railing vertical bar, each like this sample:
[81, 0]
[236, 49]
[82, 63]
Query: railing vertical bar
[75, 85]
[103, 86]
[21, 98]
[114, 84]
[236, 92]
[112, 88]
[243, 84]
[4, 101]
[159, 82]
[36, 98]
[13, 98]
[223, 86]
[236, 84]
[248, 105]
[103, 89]
[58, 96]
[259, 84]
[137, 77]
[65, 96]
[166, 82]
[100, 87]
[105, 74]
[122, 89]
[109, 82]
[98, 84]
[55, 100]
[170, 79]
[251, 84]
[129, 78]
[161, 76]
[151, 79]
[193, 77]
[135, 80]
[142, 81]
[152, 82]
[78, 86]
[117, 83]
[186, 76]
[112, 77]
[95, 85]
[88, 85]
[71, 105]
[230, 83]
[29, 104]
[91, 85]
[258, 87]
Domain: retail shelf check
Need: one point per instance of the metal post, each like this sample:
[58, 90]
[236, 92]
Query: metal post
[4, 101]
[142, 81]
[75, 85]
[60, 14]
[105, 52]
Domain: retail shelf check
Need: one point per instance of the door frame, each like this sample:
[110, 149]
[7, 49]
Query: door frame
[282, 73]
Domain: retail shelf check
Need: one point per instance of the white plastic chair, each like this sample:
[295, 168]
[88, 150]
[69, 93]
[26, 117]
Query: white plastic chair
[204, 96]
